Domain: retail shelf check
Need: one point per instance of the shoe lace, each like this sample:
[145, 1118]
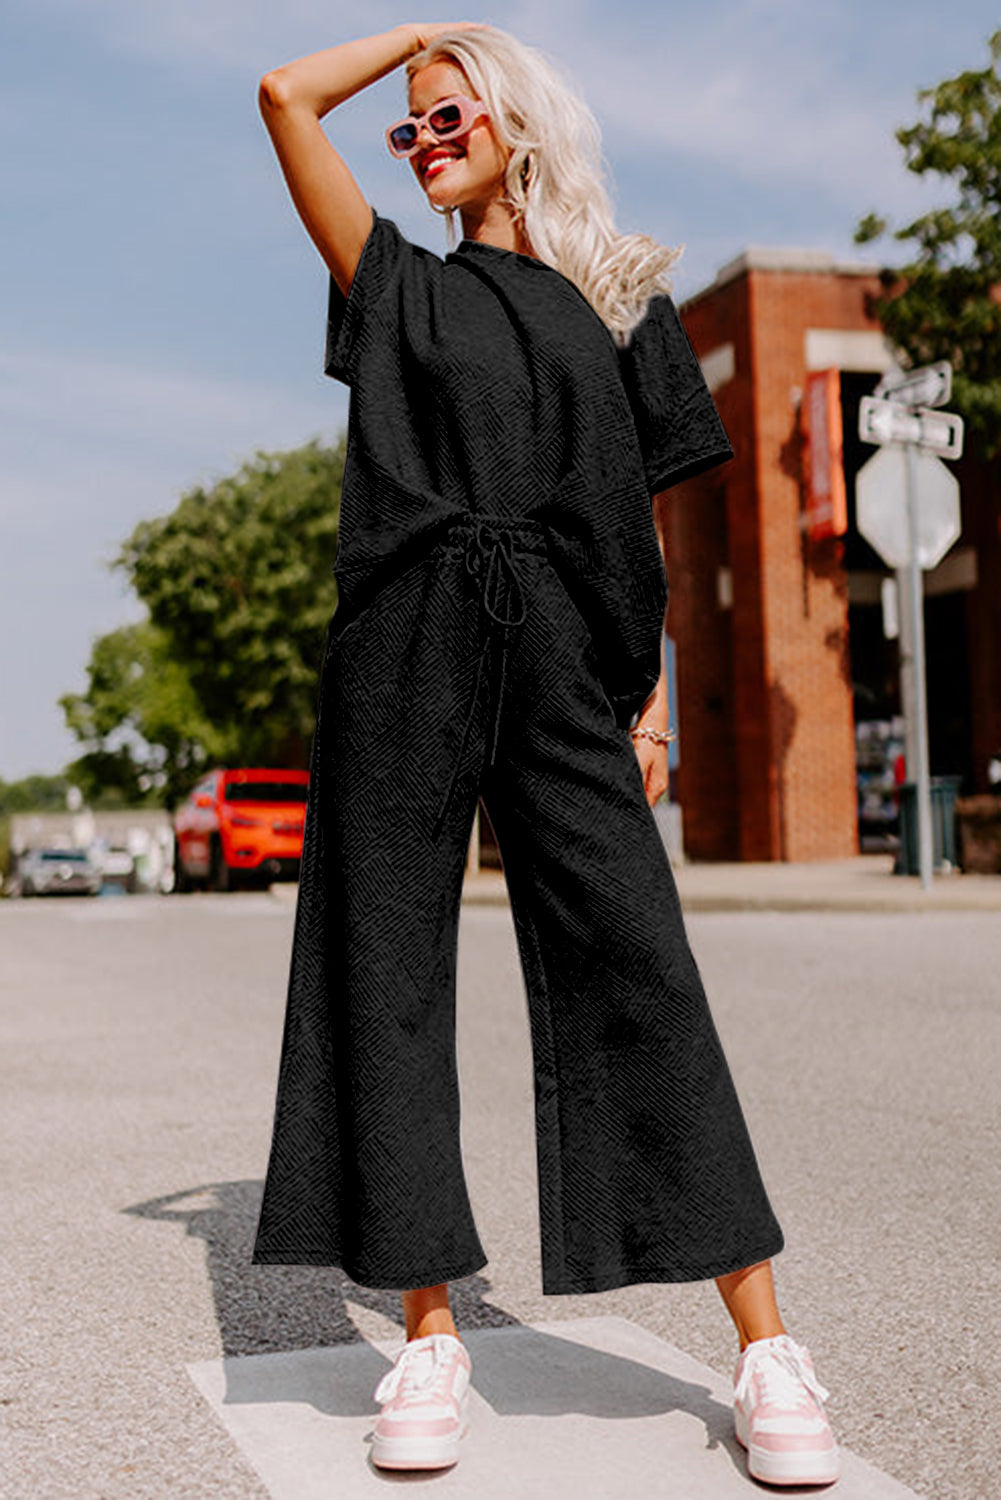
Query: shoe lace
[784, 1372]
[414, 1373]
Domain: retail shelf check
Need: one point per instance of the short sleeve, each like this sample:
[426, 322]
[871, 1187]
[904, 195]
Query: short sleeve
[389, 287]
[679, 429]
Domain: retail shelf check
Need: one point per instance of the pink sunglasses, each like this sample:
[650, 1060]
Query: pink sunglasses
[445, 120]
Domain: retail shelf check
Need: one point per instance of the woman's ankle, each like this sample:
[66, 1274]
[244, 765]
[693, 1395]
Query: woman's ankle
[426, 1310]
[435, 1322]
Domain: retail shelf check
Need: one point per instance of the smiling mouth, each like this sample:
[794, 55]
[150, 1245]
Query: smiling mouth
[431, 167]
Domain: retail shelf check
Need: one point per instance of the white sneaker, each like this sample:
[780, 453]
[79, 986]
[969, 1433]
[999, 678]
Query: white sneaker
[778, 1415]
[425, 1409]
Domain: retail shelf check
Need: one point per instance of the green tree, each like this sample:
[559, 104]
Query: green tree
[36, 793]
[239, 581]
[946, 303]
[145, 734]
[239, 586]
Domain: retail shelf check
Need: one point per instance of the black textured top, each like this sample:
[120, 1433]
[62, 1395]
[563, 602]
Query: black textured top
[485, 382]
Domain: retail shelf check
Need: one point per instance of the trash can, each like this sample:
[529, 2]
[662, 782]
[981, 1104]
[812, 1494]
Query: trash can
[944, 791]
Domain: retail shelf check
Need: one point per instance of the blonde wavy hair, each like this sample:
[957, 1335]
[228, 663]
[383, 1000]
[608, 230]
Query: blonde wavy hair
[555, 179]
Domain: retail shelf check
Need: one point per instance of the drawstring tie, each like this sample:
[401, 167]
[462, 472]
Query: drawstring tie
[489, 557]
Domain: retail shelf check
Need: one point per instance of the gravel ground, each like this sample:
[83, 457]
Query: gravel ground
[138, 1056]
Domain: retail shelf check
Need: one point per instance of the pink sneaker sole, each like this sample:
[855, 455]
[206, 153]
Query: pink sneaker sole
[417, 1452]
[786, 1468]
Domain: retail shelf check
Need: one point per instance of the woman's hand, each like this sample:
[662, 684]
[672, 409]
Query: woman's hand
[652, 755]
[424, 31]
[653, 763]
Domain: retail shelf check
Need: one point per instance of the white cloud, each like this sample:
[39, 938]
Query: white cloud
[775, 104]
[773, 91]
[120, 424]
[226, 34]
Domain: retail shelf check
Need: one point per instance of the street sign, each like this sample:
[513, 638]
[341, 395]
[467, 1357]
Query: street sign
[881, 506]
[907, 506]
[826, 509]
[930, 385]
[882, 421]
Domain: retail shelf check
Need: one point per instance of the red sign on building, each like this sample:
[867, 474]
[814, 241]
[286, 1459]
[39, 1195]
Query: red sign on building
[826, 508]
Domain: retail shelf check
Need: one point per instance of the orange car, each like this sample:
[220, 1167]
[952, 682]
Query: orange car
[238, 824]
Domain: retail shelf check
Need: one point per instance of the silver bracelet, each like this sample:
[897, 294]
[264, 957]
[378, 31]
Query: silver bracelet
[662, 736]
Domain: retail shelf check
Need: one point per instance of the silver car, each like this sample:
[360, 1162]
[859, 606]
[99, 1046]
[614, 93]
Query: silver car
[118, 868]
[50, 872]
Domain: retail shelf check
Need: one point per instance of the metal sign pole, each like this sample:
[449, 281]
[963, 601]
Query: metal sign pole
[906, 648]
[915, 591]
[901, 416]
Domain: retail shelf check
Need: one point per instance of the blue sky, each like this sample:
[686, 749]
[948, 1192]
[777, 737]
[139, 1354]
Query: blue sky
[161, 309]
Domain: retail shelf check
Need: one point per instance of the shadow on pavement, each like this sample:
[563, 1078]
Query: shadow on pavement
[274, 1309]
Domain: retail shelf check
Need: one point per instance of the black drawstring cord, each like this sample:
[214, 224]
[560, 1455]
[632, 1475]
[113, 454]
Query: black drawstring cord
[489, 552]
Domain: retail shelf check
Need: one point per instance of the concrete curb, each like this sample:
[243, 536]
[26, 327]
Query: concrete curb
[863, 884]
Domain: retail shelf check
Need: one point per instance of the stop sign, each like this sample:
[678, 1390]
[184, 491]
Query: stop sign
[881, 506]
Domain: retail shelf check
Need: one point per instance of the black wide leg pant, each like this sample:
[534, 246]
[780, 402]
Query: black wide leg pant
[646, 1171]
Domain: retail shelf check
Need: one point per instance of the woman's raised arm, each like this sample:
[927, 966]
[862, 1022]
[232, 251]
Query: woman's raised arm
[293, 100]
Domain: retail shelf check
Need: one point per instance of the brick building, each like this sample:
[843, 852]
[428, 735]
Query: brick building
[780, 656]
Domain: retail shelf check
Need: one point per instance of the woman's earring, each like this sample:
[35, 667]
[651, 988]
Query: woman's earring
[448, 213]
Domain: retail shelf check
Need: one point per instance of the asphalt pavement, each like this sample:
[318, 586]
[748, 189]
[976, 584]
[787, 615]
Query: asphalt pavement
[138, 1053]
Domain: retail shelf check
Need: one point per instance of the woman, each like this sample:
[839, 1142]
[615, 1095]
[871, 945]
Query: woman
[515, 405]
